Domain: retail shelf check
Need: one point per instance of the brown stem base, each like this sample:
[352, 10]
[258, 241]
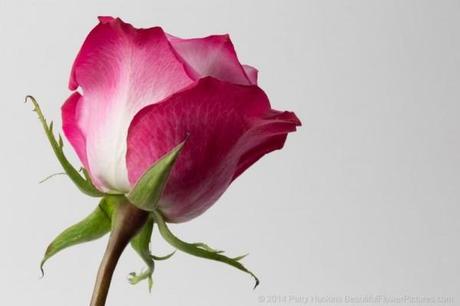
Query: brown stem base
[128, 221]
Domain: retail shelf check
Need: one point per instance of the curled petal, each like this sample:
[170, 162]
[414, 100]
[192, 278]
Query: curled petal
[213, 56]
[269, 134]
[252, 74]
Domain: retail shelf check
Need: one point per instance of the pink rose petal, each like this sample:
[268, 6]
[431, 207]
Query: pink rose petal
[228, 126]
[120, 70]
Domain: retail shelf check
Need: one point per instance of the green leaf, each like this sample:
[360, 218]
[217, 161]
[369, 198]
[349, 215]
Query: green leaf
[83, 183]
[149, 187]
[140, 243]
[94, 226]
[198, 249]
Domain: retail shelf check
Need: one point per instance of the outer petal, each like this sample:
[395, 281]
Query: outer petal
[70, 112]
[212, 56]
[120, 70]
[224, 123]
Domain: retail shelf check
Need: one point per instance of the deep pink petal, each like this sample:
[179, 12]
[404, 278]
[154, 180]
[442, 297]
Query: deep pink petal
[224, 123]
[212, 56]
[120, 70]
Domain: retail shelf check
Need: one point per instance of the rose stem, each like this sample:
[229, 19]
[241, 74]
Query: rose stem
[128, 221]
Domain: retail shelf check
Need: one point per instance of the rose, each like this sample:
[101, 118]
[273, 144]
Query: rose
[162, 125]
[143, 91]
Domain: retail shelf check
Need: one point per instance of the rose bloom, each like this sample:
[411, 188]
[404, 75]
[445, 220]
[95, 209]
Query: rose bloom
[143, 91]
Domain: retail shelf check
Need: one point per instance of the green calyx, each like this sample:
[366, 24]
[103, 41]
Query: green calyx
[145, 195]
[148, 189]
[141, 244]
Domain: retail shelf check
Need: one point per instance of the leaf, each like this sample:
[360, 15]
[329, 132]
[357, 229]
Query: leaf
[84, 184]
[94, 226]
[149, 187]
[140, 243]
[198, 249]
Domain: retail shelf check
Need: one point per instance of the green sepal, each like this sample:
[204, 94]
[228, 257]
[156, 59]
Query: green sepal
[140, 243]
[155, 257]
[206, 247]
[149, 187]
[83, 183]
[198, 249]
[51, 176]
[94, 226]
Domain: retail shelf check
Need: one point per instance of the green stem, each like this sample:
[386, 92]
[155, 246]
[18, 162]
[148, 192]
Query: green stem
[128, 221]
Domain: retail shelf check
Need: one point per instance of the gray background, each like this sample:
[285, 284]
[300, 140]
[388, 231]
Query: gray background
[363, 200]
